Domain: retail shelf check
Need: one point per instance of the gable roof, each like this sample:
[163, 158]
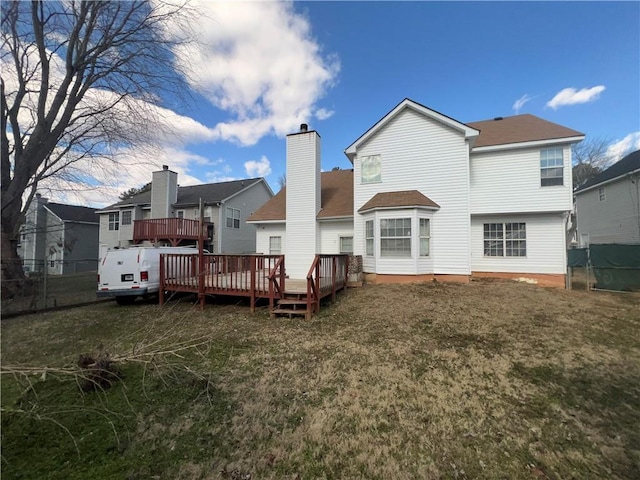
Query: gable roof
[468, 131]
[407, 198]
[191, 195]
[519, 129]
[628, 164]
[73, 213]
[336, 194]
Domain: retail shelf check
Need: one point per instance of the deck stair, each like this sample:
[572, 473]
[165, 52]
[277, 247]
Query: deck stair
[293, 304]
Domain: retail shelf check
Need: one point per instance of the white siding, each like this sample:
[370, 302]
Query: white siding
[264, 231]
[422, 154]
[546, 247]
[303, 201]
[614, 220]
[509, 181]
[330, 233]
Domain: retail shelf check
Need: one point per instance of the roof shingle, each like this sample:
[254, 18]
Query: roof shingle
[628, 164]
[518, 129]
[407, 198]
[336, 199]
[73, 213]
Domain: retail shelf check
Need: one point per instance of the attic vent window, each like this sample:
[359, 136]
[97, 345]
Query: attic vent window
[371, 169]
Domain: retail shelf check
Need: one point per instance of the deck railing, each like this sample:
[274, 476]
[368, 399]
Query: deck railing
[255, 276]
[327, 275]
[166, 228]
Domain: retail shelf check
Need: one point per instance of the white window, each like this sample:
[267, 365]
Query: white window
[114, 221]
[346, 245]
[395, 237]
[126, 217]
[505, 240]
[371, 169]
[551, 167]
[368, 237]
[275, 245]
[233, 217]
[602, 194]
[425, 236]
[180, 214]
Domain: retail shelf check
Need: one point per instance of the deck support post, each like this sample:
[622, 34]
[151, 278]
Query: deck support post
[252, 267]
[161, 292]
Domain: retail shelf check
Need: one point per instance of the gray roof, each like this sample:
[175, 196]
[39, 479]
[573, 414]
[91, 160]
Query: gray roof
[73, 213]
[628, 164]
[191, 195]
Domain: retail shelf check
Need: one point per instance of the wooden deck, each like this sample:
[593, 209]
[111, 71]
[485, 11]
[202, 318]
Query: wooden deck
[256, 277]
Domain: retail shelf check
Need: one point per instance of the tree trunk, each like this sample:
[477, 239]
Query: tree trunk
[14, 281]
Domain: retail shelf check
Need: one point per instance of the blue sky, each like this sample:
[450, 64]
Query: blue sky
[340, 66]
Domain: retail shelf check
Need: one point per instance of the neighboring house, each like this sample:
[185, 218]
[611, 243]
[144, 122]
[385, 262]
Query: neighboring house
[62, 237]
[430, 197]
[168, 214]
[608, 205]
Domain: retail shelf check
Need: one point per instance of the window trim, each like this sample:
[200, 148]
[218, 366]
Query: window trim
[369, 238]
[342, 250]
[505, 245]
[114, 221]
[426, 237]
[545, 166]
[235, 220]
[373, 163]
[386, 252]
[272, 251]
[602, 194]
[122, 217]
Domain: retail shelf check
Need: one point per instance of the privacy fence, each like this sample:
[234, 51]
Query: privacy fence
[44, 288]
[615, 266]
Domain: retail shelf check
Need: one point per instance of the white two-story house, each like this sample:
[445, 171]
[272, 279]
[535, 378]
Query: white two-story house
[430, 197]
[169, 214]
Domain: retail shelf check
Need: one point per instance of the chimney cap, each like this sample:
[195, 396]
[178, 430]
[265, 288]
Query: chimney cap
[304, 127]
[165, 167]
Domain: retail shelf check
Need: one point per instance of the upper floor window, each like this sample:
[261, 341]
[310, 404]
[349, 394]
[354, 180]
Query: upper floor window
[551, 167]
[233, 217]
[126, 217]
[425, 236]
[371, 169]
[505, 240]
[368, 237]
[346, 245]
[114, 221]
[180, 214]
[395, 237]
[602, 194]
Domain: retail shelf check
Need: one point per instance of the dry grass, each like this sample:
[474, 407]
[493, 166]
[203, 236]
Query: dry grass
[487, 380]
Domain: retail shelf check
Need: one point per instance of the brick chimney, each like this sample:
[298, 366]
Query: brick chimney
[164, 192]
[303, 200]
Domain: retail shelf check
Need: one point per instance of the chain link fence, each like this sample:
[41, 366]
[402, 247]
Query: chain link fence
[42, 287]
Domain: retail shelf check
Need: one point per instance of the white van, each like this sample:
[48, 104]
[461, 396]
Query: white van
[128, 273]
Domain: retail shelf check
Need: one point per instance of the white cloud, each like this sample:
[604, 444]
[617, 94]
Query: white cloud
[628, 144]
[323, 113]
[519, 103]
[571, 96]
[260, 168]
[258, 62]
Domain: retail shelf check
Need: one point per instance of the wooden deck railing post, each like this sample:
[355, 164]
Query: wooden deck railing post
[162, 280]
[253, 283]
[334, 266]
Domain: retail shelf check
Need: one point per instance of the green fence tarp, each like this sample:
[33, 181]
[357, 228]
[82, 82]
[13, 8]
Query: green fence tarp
[578, 257]
[616, 266]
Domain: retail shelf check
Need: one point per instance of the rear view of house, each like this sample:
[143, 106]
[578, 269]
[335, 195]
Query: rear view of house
[169, 214]
[58, 237]
[608, 205]
[430, 197]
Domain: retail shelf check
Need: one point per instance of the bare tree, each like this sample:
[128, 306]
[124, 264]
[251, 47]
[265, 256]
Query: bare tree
[80, 80]
[590, 157]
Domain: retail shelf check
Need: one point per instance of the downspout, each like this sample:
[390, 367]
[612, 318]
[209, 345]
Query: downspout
[567, 273]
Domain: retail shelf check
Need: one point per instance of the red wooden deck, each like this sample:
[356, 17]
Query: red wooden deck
[253, 276]
[173, 230]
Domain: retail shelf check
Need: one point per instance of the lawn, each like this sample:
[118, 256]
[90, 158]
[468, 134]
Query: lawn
[486, 380]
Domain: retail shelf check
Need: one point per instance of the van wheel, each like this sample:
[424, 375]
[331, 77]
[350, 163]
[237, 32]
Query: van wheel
[128, 300]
